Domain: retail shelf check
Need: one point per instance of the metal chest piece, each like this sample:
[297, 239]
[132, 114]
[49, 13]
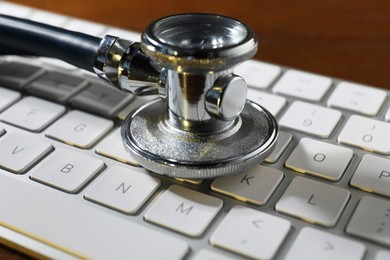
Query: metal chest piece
[203, 126]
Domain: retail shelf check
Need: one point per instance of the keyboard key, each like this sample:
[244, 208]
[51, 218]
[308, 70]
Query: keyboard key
[303, 85]
[371, 220]
[316, 244]
[178, 208]
[205, 254]
[258, 74]
[254, 186]
[357, 98]
[60, 65]
[309, 118]
[34, 114]
[79, 129]
[123, 189]
[20, 151]
[67, 170]
[313, 201]
[55, 86]
[79, 25]
[8, 97]
[366, 133]
[14, 9]
[244, 229]
[382, 255]
[48, 18]
[270, 102]
[57, 220]
[124, 34]
[387, 116]
[101, 99]
[135, 103]
[190, 181]
[320, 159]
[283, 141]
[112, 147]
[16, 74]
[373, 175]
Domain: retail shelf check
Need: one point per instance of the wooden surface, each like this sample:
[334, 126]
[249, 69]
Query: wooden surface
[348, 39]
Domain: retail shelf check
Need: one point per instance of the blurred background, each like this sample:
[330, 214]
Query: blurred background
[348, 39]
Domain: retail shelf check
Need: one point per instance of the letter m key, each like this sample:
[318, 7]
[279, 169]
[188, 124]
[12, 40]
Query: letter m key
[184, 210]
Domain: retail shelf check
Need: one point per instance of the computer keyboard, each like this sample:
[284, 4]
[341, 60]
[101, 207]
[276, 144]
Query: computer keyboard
[70, 190]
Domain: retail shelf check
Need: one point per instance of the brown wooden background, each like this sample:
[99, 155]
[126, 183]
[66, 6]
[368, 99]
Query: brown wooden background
[348, 39]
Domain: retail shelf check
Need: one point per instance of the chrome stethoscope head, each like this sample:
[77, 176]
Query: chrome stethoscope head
[202, 126]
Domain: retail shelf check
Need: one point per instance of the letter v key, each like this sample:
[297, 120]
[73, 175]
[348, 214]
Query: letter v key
[17, 149]
[21, 150]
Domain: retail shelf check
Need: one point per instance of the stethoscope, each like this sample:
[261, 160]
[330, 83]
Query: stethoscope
[202, 126]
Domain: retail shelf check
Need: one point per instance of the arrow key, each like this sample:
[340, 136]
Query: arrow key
[315, 244]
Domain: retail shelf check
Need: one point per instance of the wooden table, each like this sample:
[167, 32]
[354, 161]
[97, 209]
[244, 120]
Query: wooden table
[346, 39]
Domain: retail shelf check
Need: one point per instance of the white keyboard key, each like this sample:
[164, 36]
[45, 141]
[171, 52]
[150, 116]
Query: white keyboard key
[270, 102]
[309, 118]
[190, 181]
[373, 175]
[257, 74]
[112, 147]
[135, 103]
[48, 18]
[254, 186]
[8, 97]
[56, 86]
[303, 85]
[319, 245]
[79, 129]
[205, 254]
[34, 114]
[19, 151]
[283, 141]
[178, 208]
[366, 133]
[251, 233]
[14, 9]
[357, 98]
[67, 170]
[101, 99]
[387, 116]
[382, 255]
[15, 74]
[313, 201]
[320, 159]
[124, 34]
[79, 25]
[371, 220]
[57, 220]
[123, 189]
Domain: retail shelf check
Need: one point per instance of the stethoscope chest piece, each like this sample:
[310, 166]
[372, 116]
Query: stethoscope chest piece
[203, 126]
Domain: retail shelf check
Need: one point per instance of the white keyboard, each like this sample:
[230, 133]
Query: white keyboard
[68, 189]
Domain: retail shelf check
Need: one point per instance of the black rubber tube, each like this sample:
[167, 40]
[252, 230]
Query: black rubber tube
[21, 36]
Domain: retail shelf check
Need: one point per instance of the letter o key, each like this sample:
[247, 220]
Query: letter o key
[319, 157]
